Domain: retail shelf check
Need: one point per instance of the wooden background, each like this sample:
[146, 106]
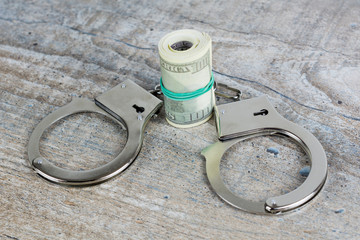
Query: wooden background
[305, 55]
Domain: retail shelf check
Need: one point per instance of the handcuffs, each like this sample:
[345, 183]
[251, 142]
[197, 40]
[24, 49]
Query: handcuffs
[131, 106]
[254, 117]
[127, 104]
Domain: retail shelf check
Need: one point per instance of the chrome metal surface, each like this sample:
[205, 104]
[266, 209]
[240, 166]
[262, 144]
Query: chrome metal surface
[128, 104]
[237, 93]
[156, 91]
[257, 117]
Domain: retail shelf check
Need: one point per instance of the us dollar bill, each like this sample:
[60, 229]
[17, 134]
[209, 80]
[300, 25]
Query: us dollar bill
[186, 66]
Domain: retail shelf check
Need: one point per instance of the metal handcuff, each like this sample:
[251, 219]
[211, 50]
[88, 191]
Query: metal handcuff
[127, 104]
[131, 106]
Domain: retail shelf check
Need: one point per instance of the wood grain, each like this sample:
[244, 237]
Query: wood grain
[305, 55]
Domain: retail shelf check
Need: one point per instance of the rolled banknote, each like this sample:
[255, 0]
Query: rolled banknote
[186, 77]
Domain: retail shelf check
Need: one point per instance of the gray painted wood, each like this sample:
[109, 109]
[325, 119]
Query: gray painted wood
[305, 55]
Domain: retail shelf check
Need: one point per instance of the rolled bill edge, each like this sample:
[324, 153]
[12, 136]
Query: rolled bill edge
[186, 65]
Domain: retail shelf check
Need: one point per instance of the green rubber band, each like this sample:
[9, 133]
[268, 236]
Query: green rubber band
[187, 96]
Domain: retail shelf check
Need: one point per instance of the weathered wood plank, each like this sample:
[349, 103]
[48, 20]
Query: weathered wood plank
[304, 55]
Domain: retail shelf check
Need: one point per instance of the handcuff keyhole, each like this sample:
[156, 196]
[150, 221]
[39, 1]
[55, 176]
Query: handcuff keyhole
[262, 112]
[138, 109]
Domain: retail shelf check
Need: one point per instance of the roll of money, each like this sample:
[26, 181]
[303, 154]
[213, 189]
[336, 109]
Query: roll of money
[186, 77]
